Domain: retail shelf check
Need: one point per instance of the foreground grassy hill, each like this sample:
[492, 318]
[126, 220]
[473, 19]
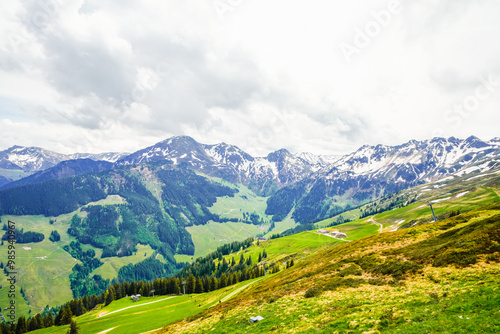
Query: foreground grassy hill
[45, 280]
[126, 316]
[437, 277]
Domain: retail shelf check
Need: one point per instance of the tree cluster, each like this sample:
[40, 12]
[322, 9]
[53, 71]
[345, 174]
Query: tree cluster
[25, 237]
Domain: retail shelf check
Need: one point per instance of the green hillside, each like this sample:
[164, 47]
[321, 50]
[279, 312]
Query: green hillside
[126, 316]
[47, 271]
[416, 279]
[439, 277]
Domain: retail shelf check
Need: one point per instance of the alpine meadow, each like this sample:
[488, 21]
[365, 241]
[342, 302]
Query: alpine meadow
[232, 166]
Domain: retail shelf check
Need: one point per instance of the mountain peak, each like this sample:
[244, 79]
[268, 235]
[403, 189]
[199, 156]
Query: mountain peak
[475, 142]
[279, 154]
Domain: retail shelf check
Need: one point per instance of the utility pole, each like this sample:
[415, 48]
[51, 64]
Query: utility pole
[264, 265]
[153, 292]
[184, 286]
[433, 215]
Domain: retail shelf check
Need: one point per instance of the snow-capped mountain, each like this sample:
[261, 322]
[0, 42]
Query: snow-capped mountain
[33, 159]
[367, 173]
[373, 171]
[414, 161]
[63, 169]
[19, 161]
[263, 174]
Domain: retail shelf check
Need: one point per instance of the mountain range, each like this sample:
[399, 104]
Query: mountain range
[181, 199]
[304, 186]
[415, 160]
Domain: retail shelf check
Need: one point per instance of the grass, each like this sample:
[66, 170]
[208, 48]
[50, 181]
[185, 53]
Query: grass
[45, 281]
[183, 258]
[22, 307]
[356, 229]
[112, 265]
[278, 250]
[109, 200]
[147, 317]
[207, 238]
[351, 215]
[281, 226]
[244, 200]
[14, 174]
[439, 277]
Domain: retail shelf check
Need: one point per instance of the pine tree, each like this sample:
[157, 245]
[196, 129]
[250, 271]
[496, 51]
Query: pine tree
[223, 280]
[190, 284]
[199, 285]
[79, 309]
[291, 263]
[242, 259]
[73, 327]
[110, 296]
[260, 257]
[66, 315]
[49, 320]
[176, 286]
[39, 321]
[264, 254]
[59, 316]
[22, 326]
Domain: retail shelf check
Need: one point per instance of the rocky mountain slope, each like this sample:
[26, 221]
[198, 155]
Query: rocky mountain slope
[17, 161]
[373, 171]
[304, 186]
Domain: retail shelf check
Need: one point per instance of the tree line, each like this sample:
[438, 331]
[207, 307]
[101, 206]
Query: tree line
[24, 237]
[163, 286]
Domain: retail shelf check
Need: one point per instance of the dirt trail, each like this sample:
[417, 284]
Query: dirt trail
[125, 308]
[238, 290]
[374, 222]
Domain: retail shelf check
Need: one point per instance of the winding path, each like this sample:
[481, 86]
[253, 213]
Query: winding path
[125, 308]
[239, 290]
[374, 222]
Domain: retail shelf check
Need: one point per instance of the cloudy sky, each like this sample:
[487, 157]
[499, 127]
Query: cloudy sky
[322, 76]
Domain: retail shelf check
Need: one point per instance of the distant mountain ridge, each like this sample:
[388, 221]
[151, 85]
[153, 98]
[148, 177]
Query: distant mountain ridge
[262, 174]
[369, 171]
[18, 161]
[63, 169]
[373, 171]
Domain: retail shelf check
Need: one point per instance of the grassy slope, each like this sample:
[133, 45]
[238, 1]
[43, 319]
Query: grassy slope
[46, 281]
[244, 200]
[281, 249]
[412, 281]
[480, 191]
[113, 264]
[148, 317]
[207, 238]
[14, 174]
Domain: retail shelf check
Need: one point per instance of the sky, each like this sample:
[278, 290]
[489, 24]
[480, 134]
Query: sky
[319, 76]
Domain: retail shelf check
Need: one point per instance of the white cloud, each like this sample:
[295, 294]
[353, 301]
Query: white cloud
[267, 75]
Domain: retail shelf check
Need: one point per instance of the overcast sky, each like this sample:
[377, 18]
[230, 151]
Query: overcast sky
[320, 76]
